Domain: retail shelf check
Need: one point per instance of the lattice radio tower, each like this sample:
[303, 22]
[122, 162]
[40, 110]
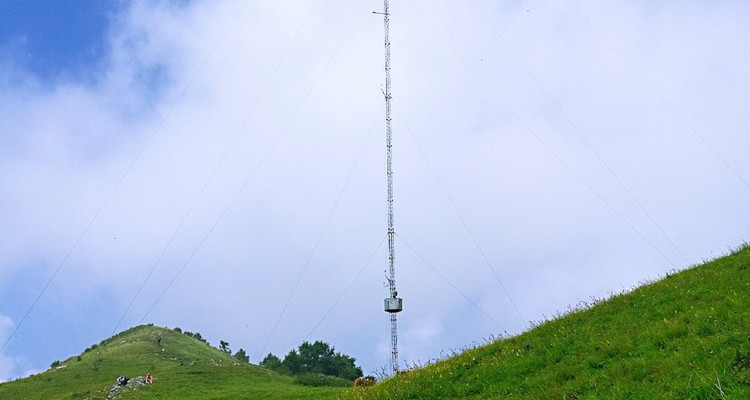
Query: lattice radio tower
[393, 304]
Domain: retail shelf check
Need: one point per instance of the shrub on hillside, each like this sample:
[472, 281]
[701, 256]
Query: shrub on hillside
[224, 346]
[273, 363]
[196, 335]
[241, 356]
[316, 358]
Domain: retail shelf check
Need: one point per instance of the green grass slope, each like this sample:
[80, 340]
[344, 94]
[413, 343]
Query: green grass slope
[685, 337]
[183, 368]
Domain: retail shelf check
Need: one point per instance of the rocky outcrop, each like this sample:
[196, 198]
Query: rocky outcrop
[133, 384]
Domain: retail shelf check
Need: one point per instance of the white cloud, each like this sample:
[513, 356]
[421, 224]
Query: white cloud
[549, 237]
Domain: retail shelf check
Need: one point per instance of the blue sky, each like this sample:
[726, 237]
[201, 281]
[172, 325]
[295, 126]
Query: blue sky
[52, 38]
[545, 152]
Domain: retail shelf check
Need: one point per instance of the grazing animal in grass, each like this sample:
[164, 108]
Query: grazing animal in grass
[364, 381]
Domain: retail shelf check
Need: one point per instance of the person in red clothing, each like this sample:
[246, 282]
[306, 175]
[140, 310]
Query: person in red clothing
[149, 378]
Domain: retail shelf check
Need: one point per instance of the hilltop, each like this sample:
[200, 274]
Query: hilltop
[183, 368]
[684, 337]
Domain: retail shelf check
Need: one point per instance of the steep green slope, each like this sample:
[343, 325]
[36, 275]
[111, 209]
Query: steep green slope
[685, 337]
[182, 366]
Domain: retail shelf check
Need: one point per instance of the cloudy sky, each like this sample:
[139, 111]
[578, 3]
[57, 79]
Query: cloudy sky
[219, 165]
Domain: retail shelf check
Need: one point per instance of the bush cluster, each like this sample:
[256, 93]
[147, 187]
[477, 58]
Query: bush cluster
[317, 358]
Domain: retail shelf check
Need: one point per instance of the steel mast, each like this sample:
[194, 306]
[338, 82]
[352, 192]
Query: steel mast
[393, 304]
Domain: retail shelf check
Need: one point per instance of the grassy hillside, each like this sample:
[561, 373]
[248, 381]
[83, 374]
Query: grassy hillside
[183, 368]
[685, 337]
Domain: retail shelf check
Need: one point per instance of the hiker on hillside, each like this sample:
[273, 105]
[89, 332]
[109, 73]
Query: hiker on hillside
[149, 378]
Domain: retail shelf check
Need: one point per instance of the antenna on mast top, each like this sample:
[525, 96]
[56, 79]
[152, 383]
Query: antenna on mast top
[393, 304]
